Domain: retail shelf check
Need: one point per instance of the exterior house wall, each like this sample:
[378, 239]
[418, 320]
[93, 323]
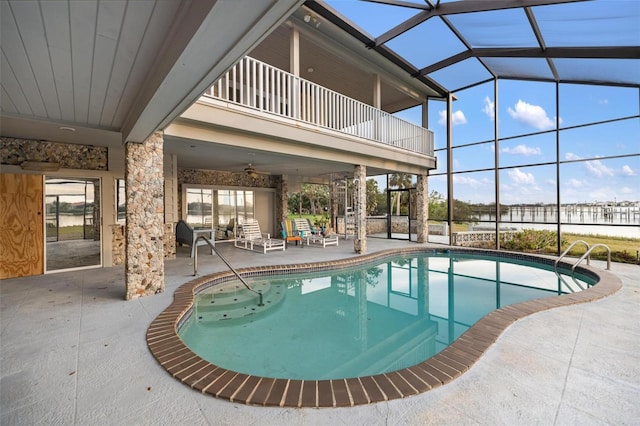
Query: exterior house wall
[15, 151]
[103, 162]
[75, 160]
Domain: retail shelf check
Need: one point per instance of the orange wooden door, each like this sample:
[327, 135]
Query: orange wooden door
[21, 229]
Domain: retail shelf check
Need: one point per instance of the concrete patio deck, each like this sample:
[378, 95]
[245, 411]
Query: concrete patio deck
[74, 352]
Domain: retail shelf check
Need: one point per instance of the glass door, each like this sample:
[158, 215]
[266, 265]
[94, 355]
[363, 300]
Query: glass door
[72, 223]
[399, 214]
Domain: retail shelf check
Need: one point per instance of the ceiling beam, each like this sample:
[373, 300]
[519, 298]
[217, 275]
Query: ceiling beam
[402, 3]
[462, 6]
[615, 52]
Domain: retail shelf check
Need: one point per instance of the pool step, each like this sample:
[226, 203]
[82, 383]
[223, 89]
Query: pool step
[231, 296]
[233, 304]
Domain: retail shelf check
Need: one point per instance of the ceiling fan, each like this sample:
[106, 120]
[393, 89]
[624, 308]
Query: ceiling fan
[251, 171]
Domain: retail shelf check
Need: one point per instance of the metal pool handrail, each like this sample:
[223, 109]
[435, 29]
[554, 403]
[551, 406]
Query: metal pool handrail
[564, 253]
[587, 256]
[213, 247]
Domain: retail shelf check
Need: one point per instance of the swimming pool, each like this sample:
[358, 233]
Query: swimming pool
[404, 295]
[362, 321]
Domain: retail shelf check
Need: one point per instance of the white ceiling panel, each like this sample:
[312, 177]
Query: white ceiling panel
[108, 35]
[57, 33]
[135, 24]
[82, 17]
[27, 13]
[124, 66]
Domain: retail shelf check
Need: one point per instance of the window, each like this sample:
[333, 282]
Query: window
[199, 207]
[207, 206]
[121, 204]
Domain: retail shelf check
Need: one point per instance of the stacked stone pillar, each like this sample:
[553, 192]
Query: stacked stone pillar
[422, 208]
[360, 209]
[282, 200]
[144, 231]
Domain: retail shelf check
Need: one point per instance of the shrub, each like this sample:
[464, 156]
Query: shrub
[530, 240]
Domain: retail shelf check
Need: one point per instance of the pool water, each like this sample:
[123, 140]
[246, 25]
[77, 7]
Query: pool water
[356, 322]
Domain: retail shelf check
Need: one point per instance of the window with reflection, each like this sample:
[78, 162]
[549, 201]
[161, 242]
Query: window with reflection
[208, 206]
[199, 207]
[121, 203]
[72, 206]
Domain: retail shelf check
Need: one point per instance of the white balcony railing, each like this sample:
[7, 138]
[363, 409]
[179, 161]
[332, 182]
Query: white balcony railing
[257, 85]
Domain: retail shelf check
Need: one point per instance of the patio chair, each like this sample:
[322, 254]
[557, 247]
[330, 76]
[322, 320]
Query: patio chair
[227, 231]
[290, 233]
[187, 235]
[304, 226]
[251, 238]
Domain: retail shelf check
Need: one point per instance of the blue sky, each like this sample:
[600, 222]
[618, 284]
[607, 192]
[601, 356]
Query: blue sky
[524, 107]
[529, 107]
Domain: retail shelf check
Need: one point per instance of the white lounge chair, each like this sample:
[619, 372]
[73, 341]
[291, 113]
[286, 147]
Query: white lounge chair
[303, 226]
[251, 238]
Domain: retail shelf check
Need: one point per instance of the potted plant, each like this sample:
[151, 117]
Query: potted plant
[322, 222]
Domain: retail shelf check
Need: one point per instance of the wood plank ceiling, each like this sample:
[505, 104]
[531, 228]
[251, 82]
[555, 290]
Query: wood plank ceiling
[117, 70]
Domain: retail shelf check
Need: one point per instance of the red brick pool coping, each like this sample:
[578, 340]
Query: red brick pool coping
[183, 364]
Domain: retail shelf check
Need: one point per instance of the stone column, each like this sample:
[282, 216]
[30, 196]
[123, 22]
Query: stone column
[282, 200]
[360, 209]
[144, 230]
[334, 204]
[422, 208]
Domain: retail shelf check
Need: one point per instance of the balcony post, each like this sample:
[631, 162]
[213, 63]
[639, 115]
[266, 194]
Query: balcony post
[377, 103]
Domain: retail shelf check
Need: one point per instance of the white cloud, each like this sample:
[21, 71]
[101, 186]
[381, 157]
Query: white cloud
[596, 168]
[457, 118]
[532, 115]
[603, 101]
[463, 180]
[574, 183]
[522, 150]
[489, 108]
[572, 156]
[626, 190]
[521, 178]
[628, 171]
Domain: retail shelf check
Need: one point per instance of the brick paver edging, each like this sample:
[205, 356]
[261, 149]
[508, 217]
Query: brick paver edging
[171, 352]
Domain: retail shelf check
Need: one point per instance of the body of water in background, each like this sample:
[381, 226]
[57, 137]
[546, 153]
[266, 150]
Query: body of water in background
[594, 219]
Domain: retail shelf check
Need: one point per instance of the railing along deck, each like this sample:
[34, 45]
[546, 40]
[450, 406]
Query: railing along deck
[258, 85]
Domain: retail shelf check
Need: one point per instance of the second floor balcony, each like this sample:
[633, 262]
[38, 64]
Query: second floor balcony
[259, 86]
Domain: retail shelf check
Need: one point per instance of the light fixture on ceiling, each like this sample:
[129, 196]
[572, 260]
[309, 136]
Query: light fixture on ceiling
[312, 20]
[310, 70]
[67, 128]
[40, 166]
